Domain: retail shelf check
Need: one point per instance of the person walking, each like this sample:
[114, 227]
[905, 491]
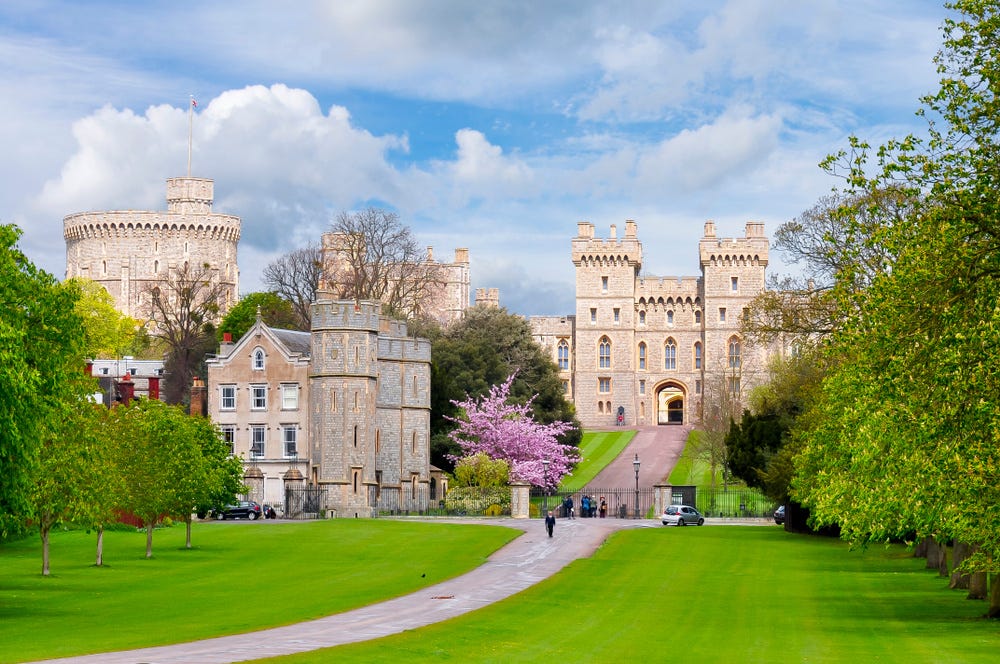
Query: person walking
[550, 523]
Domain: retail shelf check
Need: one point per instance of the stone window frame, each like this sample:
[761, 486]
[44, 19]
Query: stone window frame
[229, 436]
[696, 355]
[604, 385]
[642, 356]
[735, 355]
[670, 354]
[562, 355]
[604, 353]
[258, 359]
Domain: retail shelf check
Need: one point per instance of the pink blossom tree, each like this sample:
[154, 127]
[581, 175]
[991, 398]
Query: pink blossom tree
[508, 431]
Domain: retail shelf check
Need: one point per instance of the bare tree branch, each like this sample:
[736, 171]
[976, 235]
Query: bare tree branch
[295, 277]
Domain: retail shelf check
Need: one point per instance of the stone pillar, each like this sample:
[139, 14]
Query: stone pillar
[254, 479]
[292, 479]
[663, 495]
[520, 500]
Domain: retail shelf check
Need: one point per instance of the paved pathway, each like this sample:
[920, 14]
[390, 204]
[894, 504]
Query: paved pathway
[524, 562]
[658, 448]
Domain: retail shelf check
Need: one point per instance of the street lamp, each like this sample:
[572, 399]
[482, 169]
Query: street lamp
[635, 464]
[545, 495]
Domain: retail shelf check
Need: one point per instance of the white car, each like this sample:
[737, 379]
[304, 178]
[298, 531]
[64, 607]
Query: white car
[682, 515]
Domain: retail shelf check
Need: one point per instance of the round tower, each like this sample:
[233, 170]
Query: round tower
[129, 252]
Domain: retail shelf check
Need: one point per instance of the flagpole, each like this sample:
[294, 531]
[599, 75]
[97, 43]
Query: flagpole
[190, 131]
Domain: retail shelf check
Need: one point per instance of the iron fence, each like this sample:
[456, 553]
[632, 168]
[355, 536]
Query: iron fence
[307, 502]
[618, 503]
[733, 502]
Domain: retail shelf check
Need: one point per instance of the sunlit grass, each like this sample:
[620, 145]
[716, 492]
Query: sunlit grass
[597, 450]
[239, 577]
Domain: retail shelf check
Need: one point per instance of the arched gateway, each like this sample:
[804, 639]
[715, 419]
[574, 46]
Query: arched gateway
[670, 403]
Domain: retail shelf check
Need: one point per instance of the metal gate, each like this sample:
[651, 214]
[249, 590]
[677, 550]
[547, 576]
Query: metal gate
[618, 503]
[306, 502]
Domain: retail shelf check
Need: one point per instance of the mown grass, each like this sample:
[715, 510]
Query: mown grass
[690, 470]
[597, 450]
[238, 577]
[711, 594]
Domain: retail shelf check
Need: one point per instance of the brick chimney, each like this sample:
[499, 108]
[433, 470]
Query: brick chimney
[199, 394]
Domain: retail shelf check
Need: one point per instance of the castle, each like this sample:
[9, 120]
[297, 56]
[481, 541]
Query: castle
[644, 350]
[131, 252]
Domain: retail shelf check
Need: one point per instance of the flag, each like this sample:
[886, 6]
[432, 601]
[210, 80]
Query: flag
[194, 104]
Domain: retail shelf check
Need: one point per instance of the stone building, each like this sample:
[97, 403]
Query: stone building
[130, 252]
[647, 350]
[428, 287]
[343, 410]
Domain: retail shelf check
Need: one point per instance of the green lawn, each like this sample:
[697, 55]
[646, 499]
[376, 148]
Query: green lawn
[690, 470]
[239, 577]
[597, 450]
[711, 594]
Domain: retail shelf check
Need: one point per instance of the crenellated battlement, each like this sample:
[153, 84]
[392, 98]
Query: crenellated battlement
[329, 314]
[589, 251]
[130, 223]
[751, 250]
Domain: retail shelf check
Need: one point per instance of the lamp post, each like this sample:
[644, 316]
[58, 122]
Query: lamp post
[545, 495]
[635, 464]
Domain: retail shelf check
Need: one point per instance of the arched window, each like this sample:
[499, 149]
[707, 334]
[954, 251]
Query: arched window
[670, 318]
[258, 359]
[604, 353]
[642, 355]
[670, 354]
[697, 355]
[734, 353]
[697, 317]
[563, 354]
[642, 318]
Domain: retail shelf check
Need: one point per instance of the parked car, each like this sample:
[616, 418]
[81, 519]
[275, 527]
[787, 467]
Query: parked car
[682, 515]
[779, 515]
[245, 509]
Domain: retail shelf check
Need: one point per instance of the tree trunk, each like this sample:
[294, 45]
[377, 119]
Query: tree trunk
[187, 520]
[933, 553]
[943, 570]
[959, 580]
[100, 546]
[920, 550]
[45, 528]
[994, 610]
[149, 538]
[977, 586]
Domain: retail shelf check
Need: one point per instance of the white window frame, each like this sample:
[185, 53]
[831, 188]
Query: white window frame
[259, 359]
[290, 435]
[290, 396]
[229, 436]
[224, 397]
[258, 397]
[258, 441]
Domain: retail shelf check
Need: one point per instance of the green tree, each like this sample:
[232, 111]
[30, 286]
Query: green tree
[479, 470]
[274, 312]
[901, 439]
[41, 352]
[107, 333]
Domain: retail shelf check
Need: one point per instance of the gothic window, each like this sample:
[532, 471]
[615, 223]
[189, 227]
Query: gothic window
[734, 386]
[697, 355]
[604, 284]
[697, 317]
[735, 284]
[593, 315]
[722, 314]
[642, 387]
[618, 315]
[670, 354]
[563, 353]
[670, 318]
[642, 355]
[604, 353]
[734, 353]
[258, 359]
[642, 318]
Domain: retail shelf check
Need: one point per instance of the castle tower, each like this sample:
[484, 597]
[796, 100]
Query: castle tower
[343, 384]
[606, 272]
[129, 252]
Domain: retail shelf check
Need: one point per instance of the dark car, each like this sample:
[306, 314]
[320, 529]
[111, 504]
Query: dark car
[682, 515]
[779, 515]
[245, 509]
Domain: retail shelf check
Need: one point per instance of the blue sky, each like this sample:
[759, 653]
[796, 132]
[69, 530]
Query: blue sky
[495, 126]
